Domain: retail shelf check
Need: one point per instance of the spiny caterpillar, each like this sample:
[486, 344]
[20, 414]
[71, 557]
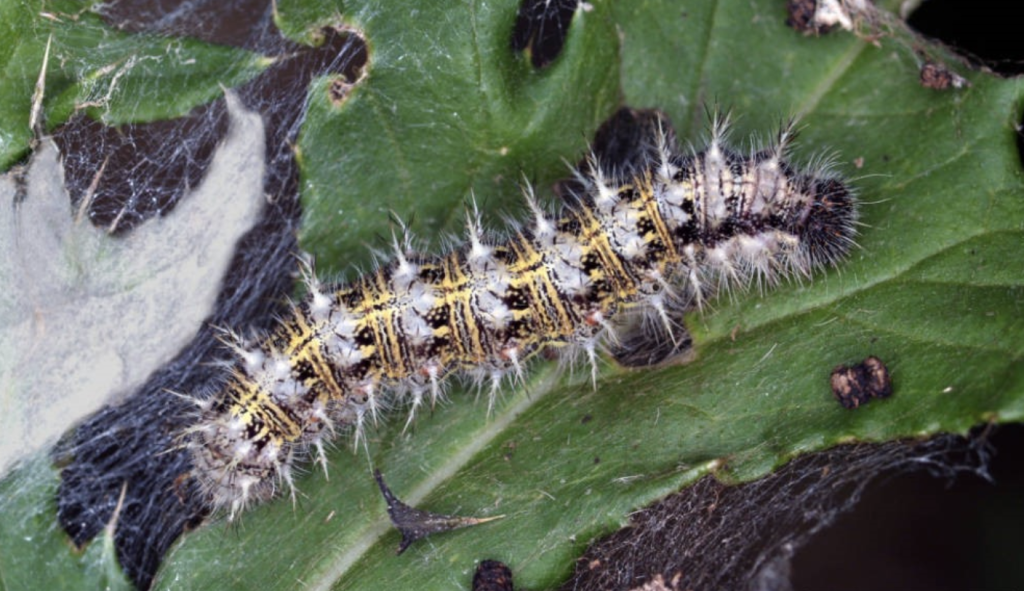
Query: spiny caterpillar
[662, 236]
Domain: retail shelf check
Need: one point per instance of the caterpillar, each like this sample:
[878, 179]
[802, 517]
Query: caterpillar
[661, 235]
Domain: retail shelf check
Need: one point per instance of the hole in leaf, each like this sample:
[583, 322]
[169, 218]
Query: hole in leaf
[622, 144]
[492, 575]
[987, 31]
[350, 42]
[132, 173]
[129, 174]
[1020, 139]
[541, 29]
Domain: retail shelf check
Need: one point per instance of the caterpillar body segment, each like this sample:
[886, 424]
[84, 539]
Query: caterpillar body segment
[667, 233]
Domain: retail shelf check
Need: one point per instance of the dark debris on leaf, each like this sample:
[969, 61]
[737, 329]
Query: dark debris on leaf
[939, 77]
[856, 385]
[415, 524]
[801, 16]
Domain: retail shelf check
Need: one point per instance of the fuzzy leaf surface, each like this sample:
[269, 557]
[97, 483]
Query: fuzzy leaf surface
[935, 289]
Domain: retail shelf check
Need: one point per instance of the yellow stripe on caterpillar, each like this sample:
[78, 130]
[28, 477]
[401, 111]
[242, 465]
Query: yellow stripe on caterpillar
[667, 235]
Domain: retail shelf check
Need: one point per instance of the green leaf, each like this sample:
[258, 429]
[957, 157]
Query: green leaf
[446, 112]
[936, 289]
[113, 76]
[28, 502]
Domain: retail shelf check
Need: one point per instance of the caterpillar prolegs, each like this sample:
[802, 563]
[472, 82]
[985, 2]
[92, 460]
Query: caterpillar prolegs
[659, 235]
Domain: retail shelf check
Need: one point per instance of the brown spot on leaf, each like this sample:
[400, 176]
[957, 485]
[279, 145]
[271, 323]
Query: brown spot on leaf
[856, 385]
[939, 77]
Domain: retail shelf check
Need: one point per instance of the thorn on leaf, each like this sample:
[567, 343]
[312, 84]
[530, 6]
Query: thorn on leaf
[415, 524]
